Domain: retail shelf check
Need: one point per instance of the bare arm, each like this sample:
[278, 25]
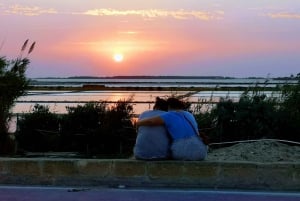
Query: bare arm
[152, 121]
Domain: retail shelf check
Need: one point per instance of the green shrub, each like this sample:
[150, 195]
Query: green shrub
[39, 130]
[252, 117]
[288, 121]
[13, 84]
[255, 116]
[94, 129]
[81, 124]
[117, 134]
[99, 130]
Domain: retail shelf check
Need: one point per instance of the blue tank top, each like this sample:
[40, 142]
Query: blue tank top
[177, 124]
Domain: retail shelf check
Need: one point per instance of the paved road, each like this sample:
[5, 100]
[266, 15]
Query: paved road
[12, 193]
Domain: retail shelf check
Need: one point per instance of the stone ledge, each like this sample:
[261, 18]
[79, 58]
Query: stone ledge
[187, 174]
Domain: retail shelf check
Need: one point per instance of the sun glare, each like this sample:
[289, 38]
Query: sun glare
[118, 57]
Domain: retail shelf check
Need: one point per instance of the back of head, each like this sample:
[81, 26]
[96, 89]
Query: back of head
[175, 103]
[160, 104]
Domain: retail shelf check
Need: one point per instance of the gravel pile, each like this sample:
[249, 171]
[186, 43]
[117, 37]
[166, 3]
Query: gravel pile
[258, 151]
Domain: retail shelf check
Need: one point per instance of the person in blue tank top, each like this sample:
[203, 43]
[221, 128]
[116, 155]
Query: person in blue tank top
[153, 142]
[183, 129]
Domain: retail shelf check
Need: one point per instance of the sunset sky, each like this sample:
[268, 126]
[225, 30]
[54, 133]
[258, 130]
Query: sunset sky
[154, 37]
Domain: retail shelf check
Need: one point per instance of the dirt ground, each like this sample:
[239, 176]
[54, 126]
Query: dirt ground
[258, 151]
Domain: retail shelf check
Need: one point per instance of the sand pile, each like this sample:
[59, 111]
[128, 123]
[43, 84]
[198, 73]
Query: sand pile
[258, 151]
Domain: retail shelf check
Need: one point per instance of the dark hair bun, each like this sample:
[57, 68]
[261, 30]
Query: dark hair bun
[175, 103]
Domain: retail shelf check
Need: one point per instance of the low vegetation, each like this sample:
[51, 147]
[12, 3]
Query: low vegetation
[93, 130]
[13, 84]
[255, 116]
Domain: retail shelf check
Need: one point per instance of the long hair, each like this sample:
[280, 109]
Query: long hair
[175, 103]
[160, 104]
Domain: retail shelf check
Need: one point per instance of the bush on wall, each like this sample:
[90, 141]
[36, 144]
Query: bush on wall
[39, 130]
[255, 116]
[94, 129]
[13, 84]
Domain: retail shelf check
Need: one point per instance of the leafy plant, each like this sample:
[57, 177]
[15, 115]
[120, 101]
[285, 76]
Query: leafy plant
[39, 130]
[13, 84]
[117, 134]
[255, 116]
[80, 125]
[99, 129]
[288, 121]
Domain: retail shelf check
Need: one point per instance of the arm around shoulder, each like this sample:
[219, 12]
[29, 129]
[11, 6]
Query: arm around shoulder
[152, 121]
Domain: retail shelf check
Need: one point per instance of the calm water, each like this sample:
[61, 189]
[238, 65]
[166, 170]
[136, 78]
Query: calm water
[58, 100]
[183, 82]
[142, 100]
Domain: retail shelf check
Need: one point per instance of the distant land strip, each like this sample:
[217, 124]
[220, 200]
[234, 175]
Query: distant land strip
[167, 77]
[91, 87]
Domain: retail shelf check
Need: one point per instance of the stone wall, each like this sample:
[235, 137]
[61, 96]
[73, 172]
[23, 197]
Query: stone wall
[119, 172]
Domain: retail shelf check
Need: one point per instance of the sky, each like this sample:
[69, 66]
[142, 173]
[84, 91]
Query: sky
[236, 38]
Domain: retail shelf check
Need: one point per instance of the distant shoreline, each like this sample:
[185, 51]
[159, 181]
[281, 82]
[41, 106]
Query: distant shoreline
[164, 77]
[156, 83]
[138, 77]
[91, 87]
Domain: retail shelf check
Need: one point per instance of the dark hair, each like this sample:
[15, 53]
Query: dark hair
[175, 103]
[160, 104]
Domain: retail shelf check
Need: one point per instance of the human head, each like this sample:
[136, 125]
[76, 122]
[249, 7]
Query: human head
[175, 104]
[160, 104]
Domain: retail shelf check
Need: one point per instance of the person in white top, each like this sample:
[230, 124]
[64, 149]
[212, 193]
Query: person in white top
[153, 142]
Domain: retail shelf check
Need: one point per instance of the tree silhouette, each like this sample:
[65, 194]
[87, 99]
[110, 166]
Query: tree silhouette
[13, 84]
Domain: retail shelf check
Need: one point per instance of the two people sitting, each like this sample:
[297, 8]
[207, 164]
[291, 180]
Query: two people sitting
[168, 132]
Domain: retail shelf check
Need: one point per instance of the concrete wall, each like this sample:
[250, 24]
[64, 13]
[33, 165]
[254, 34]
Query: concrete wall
[189, 174]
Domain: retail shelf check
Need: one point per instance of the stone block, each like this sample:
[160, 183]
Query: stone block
[165, 170]
[200, 173]
[59, 168]
[280, 176]
[23, 167]
[128, 169]
[237, 175]
[94, 168]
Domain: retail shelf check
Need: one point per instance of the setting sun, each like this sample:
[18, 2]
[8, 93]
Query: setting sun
[118, 57]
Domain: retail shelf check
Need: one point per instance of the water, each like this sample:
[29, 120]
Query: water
[157, 82]
[58, 100]
[142, 100]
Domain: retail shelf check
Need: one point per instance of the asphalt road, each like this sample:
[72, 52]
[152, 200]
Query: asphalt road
[13, 193]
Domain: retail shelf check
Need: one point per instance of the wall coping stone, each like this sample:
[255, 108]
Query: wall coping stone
[134, 173]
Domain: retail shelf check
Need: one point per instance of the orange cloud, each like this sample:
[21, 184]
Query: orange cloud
[154, 13]
[28, 10]
[284, 15]
[146, 13]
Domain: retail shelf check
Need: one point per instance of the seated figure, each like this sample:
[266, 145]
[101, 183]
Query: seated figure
[153, 142]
